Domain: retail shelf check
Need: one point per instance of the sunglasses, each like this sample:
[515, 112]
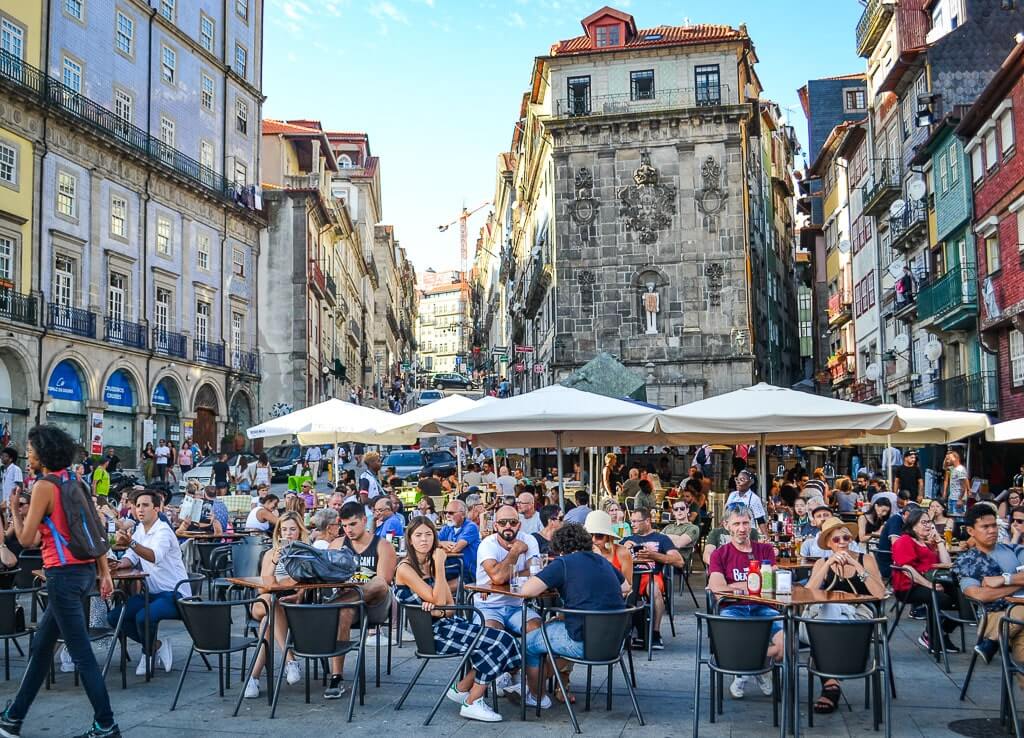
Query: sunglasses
[1018, 521]
[842, 539]
[679, 508]
[507, 523]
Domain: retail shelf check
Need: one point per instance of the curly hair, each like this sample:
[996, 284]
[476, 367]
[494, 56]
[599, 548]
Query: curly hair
[571, 538]
[54, 448]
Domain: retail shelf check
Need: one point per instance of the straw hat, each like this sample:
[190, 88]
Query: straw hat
[827, 529]
[599, 523]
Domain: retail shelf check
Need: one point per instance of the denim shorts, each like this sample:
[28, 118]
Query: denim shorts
[510, 616]
[561, 643]
[752, 611]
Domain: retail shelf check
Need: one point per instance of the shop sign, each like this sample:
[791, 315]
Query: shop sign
[96, 434]
[65, 384]
[118, 391]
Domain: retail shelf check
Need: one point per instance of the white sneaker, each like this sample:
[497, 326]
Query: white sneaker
[764, 681]
[140, 669]
[738, 685]
[479, 710]
[531, 701]
[67, 664]
[292, 675]
[459, 698]
[505, 684]
[165, 655]
[252, 689]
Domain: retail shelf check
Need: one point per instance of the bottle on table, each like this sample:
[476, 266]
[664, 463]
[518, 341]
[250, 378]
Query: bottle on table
[754, 578]
[767, 577]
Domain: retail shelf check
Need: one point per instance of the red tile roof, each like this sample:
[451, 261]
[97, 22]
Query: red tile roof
[275, 127]
[704, 33]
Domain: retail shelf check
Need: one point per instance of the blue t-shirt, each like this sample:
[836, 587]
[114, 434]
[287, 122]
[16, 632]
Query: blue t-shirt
[470, 533]
[392, 525]
[665, 545]
[586, 581]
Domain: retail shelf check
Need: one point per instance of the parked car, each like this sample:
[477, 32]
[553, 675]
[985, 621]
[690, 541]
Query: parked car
[451, 380]
[428, 396]
[409, 462]
[284, 461]
[203, 471]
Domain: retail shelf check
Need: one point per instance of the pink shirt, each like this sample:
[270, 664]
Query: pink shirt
[733, 564]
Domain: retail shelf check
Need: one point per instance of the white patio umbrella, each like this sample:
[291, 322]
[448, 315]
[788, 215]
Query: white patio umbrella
[332, 421]
[1010, 431]
[404, 429]
[555, 416]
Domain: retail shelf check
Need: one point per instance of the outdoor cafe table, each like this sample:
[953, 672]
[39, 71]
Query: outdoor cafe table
[788, 604]
[276, 588]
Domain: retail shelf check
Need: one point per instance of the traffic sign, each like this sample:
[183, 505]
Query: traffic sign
[405, 366]
[499, 350]
[524, 349]
[520, 367]
[538, 368]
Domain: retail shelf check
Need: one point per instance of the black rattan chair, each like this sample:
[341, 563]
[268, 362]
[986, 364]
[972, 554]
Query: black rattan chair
[13, 623]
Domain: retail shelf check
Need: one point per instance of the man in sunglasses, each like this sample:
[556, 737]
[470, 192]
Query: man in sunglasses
[460, 535]
[681, 532]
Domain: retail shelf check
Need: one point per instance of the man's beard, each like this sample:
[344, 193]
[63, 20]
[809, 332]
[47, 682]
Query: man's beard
[508, 534]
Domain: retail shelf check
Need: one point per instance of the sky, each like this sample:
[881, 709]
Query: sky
[437, 83]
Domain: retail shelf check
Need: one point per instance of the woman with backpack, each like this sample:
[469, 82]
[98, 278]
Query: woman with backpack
[71, 574]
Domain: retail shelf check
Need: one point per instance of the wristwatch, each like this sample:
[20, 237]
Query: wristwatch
[1007, 578]
[132, 544]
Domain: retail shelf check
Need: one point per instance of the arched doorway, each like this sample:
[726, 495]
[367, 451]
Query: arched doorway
[13, 401]
[119, 417]
[166, 402]
[205, 429]
[68, 393]
[239, 417]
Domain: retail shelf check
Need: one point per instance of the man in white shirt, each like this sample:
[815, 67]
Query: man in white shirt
[529, 518]
[13, 479]
[487, 476]
[313, 457]
[368, 481]
[163, 458]
[501, 557]
[473, 477]
[744, 495]
[506, 482]
[153, 548]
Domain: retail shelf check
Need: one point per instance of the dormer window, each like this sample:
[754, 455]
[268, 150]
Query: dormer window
[608, 36]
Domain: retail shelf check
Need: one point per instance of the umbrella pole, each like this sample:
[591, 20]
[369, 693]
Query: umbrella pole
[561, 476]
[888, 458]
[335, 472]
[762, 467]
[458, 463]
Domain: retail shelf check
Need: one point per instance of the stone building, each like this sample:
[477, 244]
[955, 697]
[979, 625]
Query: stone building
[443, 325]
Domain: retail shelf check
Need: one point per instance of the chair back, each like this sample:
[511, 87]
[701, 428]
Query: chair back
[211, 553]
[422, 624]
[314, 628]
[195, 584]
[245, 560]
[739, 644]
[28, 562]
[604, 633]
[842, 647]
[969, 610]
[10, 624]
[207, 622]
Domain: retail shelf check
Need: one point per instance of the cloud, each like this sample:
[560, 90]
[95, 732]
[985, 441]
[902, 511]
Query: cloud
[515, 19]
[387, 11]
[296, 10]
[333, 7]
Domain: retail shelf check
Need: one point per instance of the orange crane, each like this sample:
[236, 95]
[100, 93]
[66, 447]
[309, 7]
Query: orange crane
[463, 234]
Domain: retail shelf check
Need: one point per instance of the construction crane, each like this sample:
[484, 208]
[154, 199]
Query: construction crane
[463, 234]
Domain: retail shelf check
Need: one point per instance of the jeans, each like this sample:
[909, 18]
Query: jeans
[162, 606]
[753, 611]
[562, 644]
[65, 617]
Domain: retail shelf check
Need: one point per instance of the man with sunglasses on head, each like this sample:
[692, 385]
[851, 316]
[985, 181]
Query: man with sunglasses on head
[460, 535]
[681, 532]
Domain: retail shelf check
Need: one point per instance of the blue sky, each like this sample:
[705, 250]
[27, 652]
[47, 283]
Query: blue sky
[437, 83]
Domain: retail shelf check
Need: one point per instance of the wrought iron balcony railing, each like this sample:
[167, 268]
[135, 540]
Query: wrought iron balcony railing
[124, 332]
[246, 362]
[72, 320]
[18, 308]
[691, 97]
[207, 352]
[169, 343]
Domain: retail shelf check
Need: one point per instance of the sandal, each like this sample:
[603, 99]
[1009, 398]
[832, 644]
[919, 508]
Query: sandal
[829, 699]
[559, 697]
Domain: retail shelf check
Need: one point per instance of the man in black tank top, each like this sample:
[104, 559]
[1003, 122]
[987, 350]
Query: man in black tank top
[377, 562]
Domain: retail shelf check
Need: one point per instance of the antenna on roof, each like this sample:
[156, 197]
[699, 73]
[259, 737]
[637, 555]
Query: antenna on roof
[686, 22]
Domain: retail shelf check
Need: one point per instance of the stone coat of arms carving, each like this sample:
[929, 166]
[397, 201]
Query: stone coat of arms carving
[647, 205]
[584, 208]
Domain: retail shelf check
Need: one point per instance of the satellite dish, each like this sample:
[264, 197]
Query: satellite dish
[901, 343]
[844, 246]
[932, 350]
[873, 371]
[896, 269]
[917, 189]
[897, 208]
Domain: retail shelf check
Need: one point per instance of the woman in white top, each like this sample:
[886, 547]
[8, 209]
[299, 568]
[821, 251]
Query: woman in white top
[260, 472]
[264, 516]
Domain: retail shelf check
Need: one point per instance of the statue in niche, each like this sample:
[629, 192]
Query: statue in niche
[651, 303]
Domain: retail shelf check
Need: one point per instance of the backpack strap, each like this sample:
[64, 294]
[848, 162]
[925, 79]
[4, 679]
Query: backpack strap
[59, 541]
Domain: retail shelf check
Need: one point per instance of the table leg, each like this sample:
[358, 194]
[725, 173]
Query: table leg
[522, 666]
[145, 637]
[791, 655]
[270, 649]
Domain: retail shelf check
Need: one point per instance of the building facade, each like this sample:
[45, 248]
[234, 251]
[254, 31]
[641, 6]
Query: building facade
[444, 327]
[145, 219]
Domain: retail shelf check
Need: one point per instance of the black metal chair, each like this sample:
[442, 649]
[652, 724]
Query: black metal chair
[1011, 669]
[13, 622]
[847, 650]
[964, 616]
[982, 615]
[209, 624]
[214, 560]
[605, 633]
[737, 646]
[95, 633]
[313, 634]
[684, 576]
[236, 560]
[670, 599]
[422, 625]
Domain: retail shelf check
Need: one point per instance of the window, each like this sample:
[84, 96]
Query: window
[163, 313]
[991, 150]
[943, 174]
[242, 9]
[63, 281]
[1020, 232]
[992, 258]
[12, 38]
[203, 252]
[206, 32]
[241, 173]
[242, 117]
[118, 217]
[168, 64]
[907, 113]
[954, 164]
[202, 321]
[977, 165]
[123, 105]
[167, 131]
[115, 297]
[124, 33]
[167, 9]
[206, 154]
[74, 8]
[72, 75]
[708, 84]
[864, 294]
[6, 258]
[8, 164]
[237, 321]
[855, 100]
[579, 95]
[67, 194]
[1017, 357]
[206, 94]
[163, 236]
[641, 85]
[1006, 133]
[607, 36]
[238, 262]
[241, 59]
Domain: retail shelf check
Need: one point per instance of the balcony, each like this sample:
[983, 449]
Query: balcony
[839, 309]
[18, 308]
[972, 392]
[355, 332]
[911, 223]
[883, 186]
[206, 352]
[872, 23]
[246, 362]
[332, 290]
[317, 281]
[124, 333]
[169, 344]
[72, 320]
[865, 391]
[951, 301]
[623, 103]
[840, 366]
